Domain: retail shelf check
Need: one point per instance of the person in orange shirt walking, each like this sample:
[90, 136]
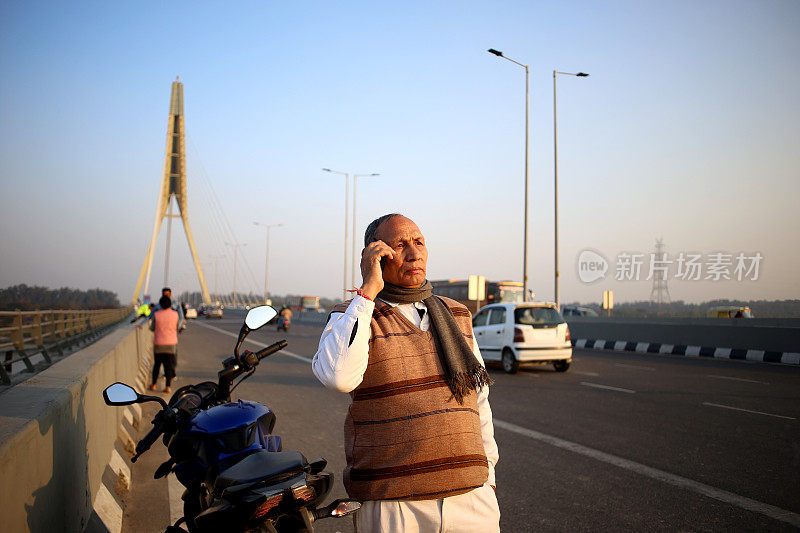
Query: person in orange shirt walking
[164, 325]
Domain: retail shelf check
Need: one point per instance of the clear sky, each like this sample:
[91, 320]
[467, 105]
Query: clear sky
[687, 129]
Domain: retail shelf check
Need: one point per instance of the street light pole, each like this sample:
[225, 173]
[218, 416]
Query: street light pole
[236, 247]
[527, 164]
[556, 273]
[346, 209]
[216, 258]
[266, 268]
[355, 191]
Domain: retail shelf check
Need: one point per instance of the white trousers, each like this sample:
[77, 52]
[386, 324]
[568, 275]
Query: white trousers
[475, 511]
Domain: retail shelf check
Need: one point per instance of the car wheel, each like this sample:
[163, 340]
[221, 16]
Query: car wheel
[510, 363]
[561, 366]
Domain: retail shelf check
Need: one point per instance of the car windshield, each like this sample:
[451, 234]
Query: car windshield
[537, 316]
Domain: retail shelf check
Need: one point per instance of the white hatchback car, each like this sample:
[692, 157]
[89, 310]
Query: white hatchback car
[515, 333]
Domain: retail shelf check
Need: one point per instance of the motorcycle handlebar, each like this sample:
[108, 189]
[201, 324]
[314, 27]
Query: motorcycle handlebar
[148, 440]
[161, 420]
[271, 349]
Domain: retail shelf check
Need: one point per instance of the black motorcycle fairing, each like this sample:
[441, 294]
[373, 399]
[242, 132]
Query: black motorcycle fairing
[262, 466]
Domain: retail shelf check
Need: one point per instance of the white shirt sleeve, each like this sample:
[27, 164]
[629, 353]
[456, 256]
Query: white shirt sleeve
[339, 364]
[487, 427]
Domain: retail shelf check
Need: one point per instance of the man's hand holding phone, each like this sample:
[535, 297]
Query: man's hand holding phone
[372, 268]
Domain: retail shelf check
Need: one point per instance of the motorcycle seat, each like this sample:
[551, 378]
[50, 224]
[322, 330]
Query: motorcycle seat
[270, 467]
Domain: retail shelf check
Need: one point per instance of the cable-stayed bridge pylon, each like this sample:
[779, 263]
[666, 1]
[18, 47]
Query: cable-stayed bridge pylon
[173, 185]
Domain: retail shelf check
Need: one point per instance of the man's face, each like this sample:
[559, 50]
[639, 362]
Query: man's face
[167, 293]
[408, 267]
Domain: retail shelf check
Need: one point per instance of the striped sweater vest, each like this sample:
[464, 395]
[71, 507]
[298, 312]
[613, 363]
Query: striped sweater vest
[406, 438]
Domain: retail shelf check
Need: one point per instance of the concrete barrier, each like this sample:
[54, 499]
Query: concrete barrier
[765, 335]
[63, 452]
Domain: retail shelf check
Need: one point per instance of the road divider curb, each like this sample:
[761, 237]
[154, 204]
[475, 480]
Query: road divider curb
[707, 352]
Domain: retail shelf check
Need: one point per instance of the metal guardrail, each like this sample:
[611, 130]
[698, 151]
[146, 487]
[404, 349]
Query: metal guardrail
[27, 333]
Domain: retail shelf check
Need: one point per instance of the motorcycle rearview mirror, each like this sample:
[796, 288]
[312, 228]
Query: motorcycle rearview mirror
[258, 316]
[122, 394]
[255, 318]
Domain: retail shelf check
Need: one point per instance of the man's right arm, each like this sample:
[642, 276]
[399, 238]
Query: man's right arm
[341, 359]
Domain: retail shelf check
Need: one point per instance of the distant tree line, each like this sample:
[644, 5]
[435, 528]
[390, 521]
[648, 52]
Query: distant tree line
[27, 298]
[678, 309]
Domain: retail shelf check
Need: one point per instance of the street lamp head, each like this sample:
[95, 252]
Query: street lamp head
[582, 75]
[327, 170]
[498, 53]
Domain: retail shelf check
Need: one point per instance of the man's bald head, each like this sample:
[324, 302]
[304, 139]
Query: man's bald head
[371, 234]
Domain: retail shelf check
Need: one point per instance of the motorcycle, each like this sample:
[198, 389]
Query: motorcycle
[236, 475]
[284, 323]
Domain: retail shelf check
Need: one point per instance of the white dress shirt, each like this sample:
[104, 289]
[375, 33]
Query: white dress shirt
[340, 364]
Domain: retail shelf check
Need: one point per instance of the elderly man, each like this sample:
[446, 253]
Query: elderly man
[419, 439]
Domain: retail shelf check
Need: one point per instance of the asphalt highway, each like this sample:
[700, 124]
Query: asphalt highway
[618, 442]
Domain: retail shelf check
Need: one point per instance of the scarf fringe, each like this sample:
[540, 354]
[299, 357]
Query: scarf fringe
[463, 382]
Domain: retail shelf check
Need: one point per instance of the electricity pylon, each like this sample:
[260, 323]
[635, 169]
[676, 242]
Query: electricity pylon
[173, 185]
[660, 293]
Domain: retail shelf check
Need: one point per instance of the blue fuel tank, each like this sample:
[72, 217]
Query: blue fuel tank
[232, 428]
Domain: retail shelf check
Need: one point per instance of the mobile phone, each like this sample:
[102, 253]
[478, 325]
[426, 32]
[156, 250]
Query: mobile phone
[383, 260]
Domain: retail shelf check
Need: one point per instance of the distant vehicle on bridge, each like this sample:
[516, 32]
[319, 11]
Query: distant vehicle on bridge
[729, 311]
[570, 310]
[496, 292]
[212, 311]
[303, 303]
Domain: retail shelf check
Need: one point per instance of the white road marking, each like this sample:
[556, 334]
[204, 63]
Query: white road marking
[607, 387]
[260, 344]
[747, 410]
[595, 374]
[742, 502]
[175, 490]
[634, 366]
[738, 379]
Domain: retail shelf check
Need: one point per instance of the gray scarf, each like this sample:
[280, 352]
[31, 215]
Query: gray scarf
[463, 372]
